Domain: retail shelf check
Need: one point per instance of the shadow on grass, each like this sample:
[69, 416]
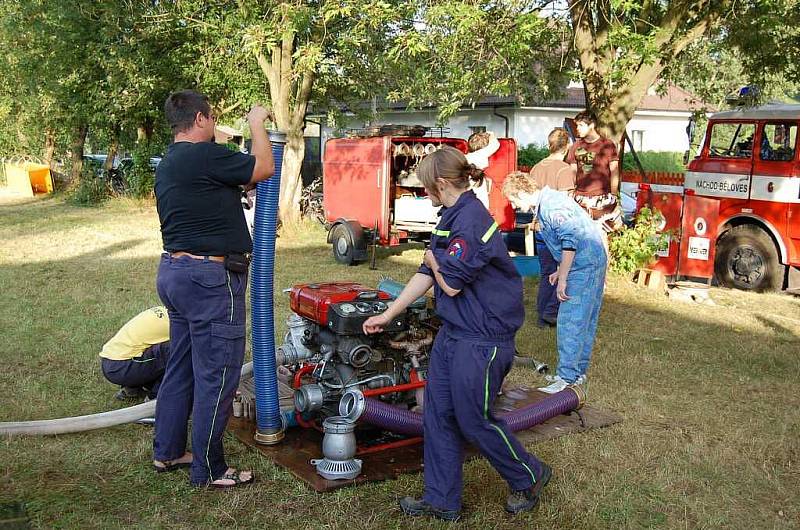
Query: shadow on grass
[16, 218]
[696, 385]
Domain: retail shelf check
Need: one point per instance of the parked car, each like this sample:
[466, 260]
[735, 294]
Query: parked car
[119, 167]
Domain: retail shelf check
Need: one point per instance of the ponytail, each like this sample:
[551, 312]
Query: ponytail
[450, 164]
[474, 173]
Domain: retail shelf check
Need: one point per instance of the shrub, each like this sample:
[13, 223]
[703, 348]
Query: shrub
[140, 176]
[532, 154]
[635, 247]
[667, 161]
[90, 190]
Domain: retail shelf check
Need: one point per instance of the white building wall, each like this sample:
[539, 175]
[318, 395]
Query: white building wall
[659, 131]
[533, 125]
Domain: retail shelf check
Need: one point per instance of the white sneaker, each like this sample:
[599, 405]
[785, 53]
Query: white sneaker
[551, 378]
[556, 386]
[581, 380]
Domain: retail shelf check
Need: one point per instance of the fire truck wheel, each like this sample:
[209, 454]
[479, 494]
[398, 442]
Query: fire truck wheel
[747, 259]
[342, 240]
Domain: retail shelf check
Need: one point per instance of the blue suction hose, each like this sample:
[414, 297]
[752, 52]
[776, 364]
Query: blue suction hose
[270, 427]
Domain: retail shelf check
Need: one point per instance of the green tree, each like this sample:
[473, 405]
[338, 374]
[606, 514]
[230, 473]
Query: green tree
[625, 46]
[143, 62]
[321, 50]
[459, 51]
[289, 53]
[743, 53]
[98, 67]
[766, 35]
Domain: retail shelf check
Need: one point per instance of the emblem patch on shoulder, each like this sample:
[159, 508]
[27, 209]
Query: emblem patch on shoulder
[458, 248]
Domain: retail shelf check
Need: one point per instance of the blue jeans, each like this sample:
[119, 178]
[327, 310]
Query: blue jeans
[546, 300]
[206, 305]
[577, 321]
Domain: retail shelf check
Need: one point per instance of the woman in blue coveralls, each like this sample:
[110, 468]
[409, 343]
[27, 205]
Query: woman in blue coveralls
[479, 300]
[576, 243]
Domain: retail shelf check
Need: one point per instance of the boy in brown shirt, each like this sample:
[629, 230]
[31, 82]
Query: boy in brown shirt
[596, 164]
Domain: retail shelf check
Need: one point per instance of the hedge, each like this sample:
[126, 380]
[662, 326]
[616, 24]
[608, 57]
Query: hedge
[662, 161]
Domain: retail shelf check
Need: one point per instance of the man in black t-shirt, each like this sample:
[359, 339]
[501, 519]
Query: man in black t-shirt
[198, 199]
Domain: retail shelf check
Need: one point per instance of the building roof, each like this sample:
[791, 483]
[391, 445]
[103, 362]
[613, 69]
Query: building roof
[675, 99]
[775, 111]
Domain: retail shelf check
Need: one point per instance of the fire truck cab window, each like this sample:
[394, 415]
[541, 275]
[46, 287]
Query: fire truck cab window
[778, 142]
[732, 140]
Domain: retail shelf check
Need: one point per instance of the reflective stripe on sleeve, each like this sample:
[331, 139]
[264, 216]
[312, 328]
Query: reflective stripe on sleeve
[441, 233]
[489, 232]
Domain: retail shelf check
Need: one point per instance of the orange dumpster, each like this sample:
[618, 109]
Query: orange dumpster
[28, 178]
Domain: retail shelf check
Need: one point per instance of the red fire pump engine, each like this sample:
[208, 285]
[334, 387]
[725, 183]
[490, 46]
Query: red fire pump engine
[327, 352]
[372, 195]
[738, 215]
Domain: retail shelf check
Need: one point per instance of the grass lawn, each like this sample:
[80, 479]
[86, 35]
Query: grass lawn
[709, 396]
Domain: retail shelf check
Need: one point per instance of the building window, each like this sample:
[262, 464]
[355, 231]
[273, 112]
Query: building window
[637, 139]
[477, 128]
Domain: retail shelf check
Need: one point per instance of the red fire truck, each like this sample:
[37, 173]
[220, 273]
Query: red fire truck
[371, 193]
[748, 173]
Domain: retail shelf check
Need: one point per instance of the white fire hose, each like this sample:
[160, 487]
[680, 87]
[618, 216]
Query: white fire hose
[88, 422]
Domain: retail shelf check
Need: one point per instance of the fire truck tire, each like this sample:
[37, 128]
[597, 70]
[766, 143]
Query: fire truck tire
[748, 260]
[344, 244]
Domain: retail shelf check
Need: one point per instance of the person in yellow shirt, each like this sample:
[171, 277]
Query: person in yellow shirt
[136, 357]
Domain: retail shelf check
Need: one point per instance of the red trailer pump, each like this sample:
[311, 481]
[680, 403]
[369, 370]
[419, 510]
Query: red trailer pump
[371, 191]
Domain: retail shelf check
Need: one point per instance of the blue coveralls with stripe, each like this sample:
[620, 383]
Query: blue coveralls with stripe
[567, 226]
[471, 355]
[206, 305]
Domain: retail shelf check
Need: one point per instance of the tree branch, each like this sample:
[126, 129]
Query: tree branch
[282, 111]
[302, 98]
[269, 72]
[593, 66]
[604, 16]
[643, 21]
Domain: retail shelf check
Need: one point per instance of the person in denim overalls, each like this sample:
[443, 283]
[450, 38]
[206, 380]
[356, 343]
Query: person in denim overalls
[478, 295]
[576, 243]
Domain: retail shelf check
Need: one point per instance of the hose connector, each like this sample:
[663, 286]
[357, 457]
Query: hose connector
[273, 438]
[352, 404]
[580, 391]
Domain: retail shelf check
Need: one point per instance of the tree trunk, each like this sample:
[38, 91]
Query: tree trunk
[78, 141]
[144, 132]
[289, 94]
[113, 148]
[618, 106]
[291, 179]
[49, 147]
[678, 27]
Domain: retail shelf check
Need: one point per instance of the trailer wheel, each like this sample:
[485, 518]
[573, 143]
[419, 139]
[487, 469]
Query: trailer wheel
[344, 244]
[748, 260]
